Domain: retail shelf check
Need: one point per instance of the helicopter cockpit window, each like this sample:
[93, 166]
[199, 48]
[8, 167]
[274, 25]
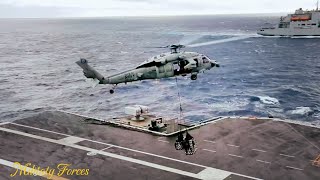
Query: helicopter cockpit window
[205, 59]
[197, 62]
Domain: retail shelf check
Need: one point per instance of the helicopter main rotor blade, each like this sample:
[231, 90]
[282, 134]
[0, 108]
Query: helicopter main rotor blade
[156, 47]
[189, 39]
[187, 42]
[218, 41]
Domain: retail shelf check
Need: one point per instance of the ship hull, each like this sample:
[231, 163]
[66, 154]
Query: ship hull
[289, 32]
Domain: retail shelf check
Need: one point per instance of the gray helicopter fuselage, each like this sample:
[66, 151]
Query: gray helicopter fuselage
[162, 66]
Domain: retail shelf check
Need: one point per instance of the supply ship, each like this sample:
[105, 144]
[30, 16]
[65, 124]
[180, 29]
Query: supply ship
[301, 23]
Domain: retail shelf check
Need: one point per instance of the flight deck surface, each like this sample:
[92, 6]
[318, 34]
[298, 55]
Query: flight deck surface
[229, 148]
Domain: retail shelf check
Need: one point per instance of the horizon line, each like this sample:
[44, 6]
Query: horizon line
[149, 16]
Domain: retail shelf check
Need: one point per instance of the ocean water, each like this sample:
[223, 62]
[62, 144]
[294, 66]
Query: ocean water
[259, 76]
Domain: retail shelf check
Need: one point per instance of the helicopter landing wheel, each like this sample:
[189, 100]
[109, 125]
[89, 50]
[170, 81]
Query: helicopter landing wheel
[113, 88]
[194, 76]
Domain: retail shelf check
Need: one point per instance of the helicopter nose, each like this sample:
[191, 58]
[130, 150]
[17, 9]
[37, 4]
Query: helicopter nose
[214, 64]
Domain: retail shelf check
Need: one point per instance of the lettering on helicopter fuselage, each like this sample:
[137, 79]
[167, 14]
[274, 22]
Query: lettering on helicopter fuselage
[129, 76]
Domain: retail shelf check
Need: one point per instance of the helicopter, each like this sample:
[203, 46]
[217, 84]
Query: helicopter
[165, 65]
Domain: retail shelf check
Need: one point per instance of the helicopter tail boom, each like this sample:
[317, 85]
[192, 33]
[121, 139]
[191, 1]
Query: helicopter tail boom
[89, 72]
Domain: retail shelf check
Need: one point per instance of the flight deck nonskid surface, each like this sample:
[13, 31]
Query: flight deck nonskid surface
[232, 148]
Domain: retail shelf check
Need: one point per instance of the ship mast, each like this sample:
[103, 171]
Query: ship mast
[317, 5]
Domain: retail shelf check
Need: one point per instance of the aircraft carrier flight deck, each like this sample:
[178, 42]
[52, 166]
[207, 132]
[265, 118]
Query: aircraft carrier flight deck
[227, 148]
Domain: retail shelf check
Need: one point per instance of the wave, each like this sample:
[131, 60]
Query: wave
[42, 84]
[302, 111]
[292, 91]
[227, 103]
[266, 100]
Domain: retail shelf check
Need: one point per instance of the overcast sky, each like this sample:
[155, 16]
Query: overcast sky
[101, 8]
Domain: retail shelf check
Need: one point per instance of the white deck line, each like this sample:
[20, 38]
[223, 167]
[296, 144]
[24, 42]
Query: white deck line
[213, 174]
[263, 161]
[287, 155]
[259, 150]
[209, 141]
[219, 118]
[71, 140]
[205, 122]
[150, 154]
[137, 161]
[163, 141]
[120, 147]
[232, 145]
[294, 168]
[29, 170]
[209, 150]
[235, 155]
[39, 129]
[106, 148]
[4, 123]
[119, 124]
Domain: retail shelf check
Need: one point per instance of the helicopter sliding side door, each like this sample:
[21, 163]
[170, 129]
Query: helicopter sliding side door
[165, 71]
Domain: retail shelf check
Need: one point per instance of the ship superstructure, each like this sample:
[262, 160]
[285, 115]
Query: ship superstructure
[301, 23]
